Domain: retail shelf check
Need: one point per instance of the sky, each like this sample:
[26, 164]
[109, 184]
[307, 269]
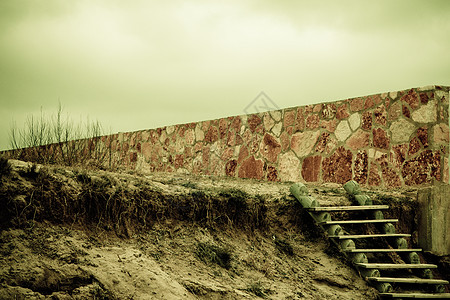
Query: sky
[142, 64]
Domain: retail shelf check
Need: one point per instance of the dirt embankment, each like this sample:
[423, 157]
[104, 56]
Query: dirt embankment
[74, 234]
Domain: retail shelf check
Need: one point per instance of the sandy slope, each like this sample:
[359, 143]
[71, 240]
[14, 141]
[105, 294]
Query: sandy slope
[284, 257]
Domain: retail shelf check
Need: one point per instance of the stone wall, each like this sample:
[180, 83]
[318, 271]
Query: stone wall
[388, 140]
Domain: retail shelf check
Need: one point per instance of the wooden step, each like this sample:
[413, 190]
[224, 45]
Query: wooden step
[408, 280]
[359, 221]
[348, 208]
[381, 250]
[364, 236]
[395, 266]
[416, 295]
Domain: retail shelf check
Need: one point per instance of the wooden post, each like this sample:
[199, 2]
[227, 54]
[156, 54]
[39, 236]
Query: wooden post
[363, 200]
[401, 243]
[335, 230]
[360, 258]
[352, 187]
[348, 244]
[321, 217]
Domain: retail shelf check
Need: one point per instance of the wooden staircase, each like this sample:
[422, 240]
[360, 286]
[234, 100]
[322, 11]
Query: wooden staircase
[406, 277]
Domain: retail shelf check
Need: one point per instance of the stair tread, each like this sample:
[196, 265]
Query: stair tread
[395, 266]
[362, 236]
[352, 207]
[359, 221]
[381, 250]
[417, 295]
[408, 280]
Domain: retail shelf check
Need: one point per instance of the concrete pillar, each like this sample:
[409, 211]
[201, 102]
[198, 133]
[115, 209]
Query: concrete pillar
[434, 219]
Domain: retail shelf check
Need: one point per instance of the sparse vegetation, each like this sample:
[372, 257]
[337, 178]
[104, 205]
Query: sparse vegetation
[284, 246]
[58, 140]
[257, 289]
[5, 167]
[209, 253]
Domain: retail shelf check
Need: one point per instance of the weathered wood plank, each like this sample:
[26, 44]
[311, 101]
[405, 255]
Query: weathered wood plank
[348, 208]
[359, 221]
[408, 280]
[395, 266]
[416, 295]
[364, 236]
[381, 250]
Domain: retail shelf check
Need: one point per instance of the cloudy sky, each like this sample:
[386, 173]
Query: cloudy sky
[141, 64]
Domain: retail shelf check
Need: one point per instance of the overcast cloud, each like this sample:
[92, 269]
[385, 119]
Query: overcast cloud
[144, 64]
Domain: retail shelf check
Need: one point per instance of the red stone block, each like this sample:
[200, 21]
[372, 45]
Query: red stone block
[187, 153]
[285, 140]
[423, 98]
[435, 166]
[133, 157]
[181, 130]
[300, 120]
[223, 128]
[369, 103]
[239, 140]
[230, 168]
[342, 112]
[422, 168]
[406, 112]
[361, 167]
[312, 121]
[272, 174]
[125, 147]
[231, 138]
[390, 177]
[311, 168]
[270, 148]
[227, 154]
[367, 120]
[377, 99]
[395, 111]
[198, 146]
[360, 139]
[329, 125]
[414, 146]
[356, 104]
[206, 155]
[289, 118]
[212, 135]
[251, 168]
[322, 142]
[243, 154]
[380, 115]
[398, 154]
[205, 125]
[338, 167]
[411, 98]
[374, 177]
[380, 139]
[253, 122]
[214, 123]
[317, 108]
[422, 134]
[178, 162]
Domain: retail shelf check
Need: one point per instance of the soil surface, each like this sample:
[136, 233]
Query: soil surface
[77, 234]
